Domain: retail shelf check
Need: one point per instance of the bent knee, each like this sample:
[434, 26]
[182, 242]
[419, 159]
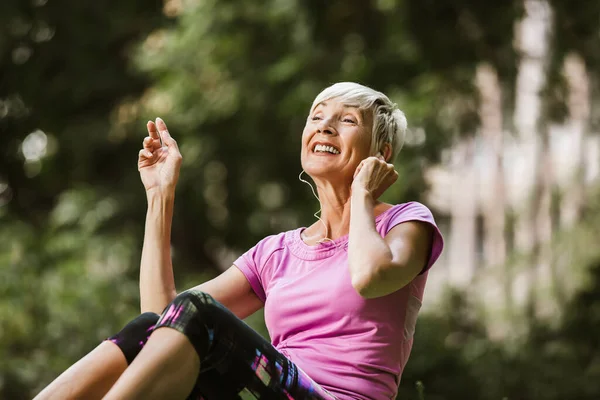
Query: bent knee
[134, 335]
[195, 314]
[190, 303]
[202, 301]
[196, 297]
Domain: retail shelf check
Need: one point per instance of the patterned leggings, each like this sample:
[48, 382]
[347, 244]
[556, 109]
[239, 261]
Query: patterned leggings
[236, 363]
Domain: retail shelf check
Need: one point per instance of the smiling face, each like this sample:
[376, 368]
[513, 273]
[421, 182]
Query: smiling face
[336, 138]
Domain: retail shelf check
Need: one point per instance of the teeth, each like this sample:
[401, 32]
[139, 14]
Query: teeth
[326, 149]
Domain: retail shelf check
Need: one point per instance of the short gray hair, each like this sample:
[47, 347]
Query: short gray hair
[389, 123]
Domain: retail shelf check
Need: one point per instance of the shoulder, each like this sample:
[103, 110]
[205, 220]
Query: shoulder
[271, 243]
[415, 211]
[253, 262]
[403, 212]
[266, 247]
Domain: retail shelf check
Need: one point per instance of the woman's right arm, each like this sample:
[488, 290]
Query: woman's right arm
[157, 285]
[159, 165]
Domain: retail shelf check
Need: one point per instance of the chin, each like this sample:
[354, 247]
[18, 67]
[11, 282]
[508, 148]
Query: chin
[323, 172]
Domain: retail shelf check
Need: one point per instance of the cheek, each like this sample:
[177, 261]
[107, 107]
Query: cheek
[361, 145]
[304, 144]
[305, 136]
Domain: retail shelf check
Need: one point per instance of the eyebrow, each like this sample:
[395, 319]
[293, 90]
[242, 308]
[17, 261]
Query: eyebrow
[324, 103]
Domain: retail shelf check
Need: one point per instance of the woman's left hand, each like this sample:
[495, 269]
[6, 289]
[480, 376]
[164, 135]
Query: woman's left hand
[374, 176]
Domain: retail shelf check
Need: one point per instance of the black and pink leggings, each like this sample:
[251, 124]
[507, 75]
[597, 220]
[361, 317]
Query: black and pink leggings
[236, 363]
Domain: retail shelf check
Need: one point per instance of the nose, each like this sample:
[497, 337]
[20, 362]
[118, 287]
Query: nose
[325, 127]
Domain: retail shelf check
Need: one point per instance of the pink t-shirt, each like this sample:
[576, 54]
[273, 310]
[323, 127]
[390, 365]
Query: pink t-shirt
[356, 348]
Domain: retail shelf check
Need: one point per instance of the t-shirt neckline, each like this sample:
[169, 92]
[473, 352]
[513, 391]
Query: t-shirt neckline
[325, 249]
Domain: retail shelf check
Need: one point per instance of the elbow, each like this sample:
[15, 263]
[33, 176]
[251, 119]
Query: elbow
[157, 304]
[363, 285]
[366, 275]
[149, 307]
[381, 282]
[358, 286]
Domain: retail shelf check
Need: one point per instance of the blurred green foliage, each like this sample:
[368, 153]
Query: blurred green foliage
[234, 81]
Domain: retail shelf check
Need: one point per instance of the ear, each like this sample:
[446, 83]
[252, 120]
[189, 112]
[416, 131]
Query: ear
[386, 152]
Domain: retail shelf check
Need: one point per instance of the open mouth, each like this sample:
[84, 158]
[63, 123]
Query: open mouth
[323, 148]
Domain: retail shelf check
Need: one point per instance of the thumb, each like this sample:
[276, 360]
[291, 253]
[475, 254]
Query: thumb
[358, 169]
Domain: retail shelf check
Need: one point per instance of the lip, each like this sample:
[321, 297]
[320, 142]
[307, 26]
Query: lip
[312, 148]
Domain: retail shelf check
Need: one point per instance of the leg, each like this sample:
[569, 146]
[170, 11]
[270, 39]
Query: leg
[240, 364]
[166, 368]
[168, 365]
[211, 347]
[90, 377]
[93, 375]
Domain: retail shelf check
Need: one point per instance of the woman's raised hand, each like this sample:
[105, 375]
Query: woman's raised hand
[374, 175]
[159, 160]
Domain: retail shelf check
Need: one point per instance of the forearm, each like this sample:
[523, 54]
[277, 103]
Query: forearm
[157, 285]
[367, 250]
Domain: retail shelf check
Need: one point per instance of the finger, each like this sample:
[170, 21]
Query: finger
[151, 143]
[166, 136]
[364, 168]
[148, 143]
[391, 179]
[145, 154]
[358, 169]
[162, 128]
[375, 161]
[152, 131]
[163, 131]
[169, 141]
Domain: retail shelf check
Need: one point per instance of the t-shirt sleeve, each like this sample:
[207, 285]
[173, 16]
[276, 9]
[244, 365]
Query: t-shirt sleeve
[252, 264]
[415, 211]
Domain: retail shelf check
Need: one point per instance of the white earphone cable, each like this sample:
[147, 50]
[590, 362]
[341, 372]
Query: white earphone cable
[326, 238]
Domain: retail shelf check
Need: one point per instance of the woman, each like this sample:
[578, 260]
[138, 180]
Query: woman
[341, 297]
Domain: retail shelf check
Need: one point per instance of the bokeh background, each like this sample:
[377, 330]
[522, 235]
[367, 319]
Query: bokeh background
[502, 100]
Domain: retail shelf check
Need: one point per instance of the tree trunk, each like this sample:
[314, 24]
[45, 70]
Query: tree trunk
[543, 255]
[493, 193]
[463, 214]
[492, 186]
[578, 103]
[532, 41]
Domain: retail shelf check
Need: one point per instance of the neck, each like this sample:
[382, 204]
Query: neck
[335, 212]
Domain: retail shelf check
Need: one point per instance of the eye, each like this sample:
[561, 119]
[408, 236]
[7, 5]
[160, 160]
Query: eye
[349, 120]
[315, 118]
